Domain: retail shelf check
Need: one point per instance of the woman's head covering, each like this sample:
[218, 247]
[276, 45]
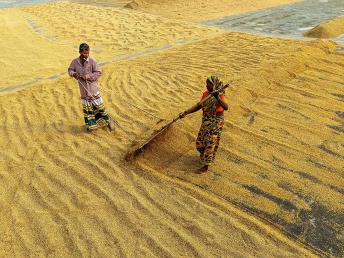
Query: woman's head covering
[214, 80]
[211, 79]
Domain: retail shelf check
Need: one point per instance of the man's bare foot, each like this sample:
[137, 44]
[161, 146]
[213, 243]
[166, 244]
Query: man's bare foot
[111, 125]
[202, 169]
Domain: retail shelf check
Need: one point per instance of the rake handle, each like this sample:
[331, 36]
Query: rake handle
[196, 105]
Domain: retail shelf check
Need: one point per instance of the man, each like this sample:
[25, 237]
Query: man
[86, 71]
[209, 134]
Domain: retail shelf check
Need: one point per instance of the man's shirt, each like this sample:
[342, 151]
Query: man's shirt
[90, 69]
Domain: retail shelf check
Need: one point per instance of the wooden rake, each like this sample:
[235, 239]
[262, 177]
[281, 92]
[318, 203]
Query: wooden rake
[141, 147]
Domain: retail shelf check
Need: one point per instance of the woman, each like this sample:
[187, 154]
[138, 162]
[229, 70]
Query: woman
[209, 134]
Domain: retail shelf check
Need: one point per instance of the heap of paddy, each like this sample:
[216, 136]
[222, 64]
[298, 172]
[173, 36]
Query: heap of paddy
[328, 29]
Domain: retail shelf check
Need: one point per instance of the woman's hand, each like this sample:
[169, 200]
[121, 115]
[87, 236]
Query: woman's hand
[216, 94]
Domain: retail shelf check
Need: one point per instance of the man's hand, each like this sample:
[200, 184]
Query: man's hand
[76, 76]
